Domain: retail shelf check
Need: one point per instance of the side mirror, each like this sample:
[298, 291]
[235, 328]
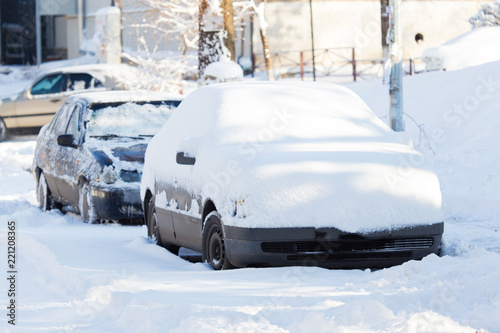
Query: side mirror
[66, 140]
[26, 94]
[183, 159]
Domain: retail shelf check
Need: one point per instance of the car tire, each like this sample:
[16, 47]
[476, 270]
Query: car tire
[85, 204]
[45, 201]
[3, 130]
[213, 244]
[154, 231]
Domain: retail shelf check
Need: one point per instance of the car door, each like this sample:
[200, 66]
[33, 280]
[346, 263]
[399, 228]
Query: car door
[68, 159]
[187, 225]
[38, 105]
[185, 209]
[48, 153]
[164, 213]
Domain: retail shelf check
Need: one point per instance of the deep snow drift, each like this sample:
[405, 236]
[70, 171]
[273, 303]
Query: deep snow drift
[74, 277]
[476, 47]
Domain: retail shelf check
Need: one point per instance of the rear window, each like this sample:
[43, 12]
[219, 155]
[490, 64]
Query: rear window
[137, 119]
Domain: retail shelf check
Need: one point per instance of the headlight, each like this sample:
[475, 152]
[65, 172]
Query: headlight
[109, 175]
[239, 209]
[130, 176]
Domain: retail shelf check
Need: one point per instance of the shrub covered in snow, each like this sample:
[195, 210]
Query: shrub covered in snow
[488, 15]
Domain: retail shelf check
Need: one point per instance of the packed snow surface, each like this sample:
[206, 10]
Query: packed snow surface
[298, 155]
[74, 277]
[476, 47]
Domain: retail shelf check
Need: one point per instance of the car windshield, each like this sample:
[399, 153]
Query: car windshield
[128, 119]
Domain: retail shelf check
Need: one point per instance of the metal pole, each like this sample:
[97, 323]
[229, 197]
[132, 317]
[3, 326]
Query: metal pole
[312, 39]
[1, 34]
[80, 24]
[38, 27]
[302, 65]
[396, 53]
[354, 71]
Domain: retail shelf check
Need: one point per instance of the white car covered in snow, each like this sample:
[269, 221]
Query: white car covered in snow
[274, 174]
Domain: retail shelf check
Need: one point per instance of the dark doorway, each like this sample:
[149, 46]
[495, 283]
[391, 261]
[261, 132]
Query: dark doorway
[18, 32]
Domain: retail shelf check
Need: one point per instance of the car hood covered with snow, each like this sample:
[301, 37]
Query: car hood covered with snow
[293, 155]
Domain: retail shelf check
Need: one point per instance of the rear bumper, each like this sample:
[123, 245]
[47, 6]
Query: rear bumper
[330, 247]
[116, 203]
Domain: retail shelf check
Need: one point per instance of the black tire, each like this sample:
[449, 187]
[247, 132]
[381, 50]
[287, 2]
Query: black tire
[3, 130]
[154, 231]
[213, 245]
[45, 201]
[85, 204]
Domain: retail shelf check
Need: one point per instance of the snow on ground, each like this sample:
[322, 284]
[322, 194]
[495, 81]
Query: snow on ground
[74, 277]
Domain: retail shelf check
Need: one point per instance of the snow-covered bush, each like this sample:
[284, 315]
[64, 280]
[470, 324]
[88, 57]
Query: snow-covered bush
[174, 26]
[488, 15]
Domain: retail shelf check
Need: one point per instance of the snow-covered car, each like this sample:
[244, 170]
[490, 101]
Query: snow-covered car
[275, 174]
[90, 156]
[37, 104]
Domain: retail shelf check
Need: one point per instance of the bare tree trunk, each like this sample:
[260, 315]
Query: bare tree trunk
[384, 25]
[227, 12]
[267, 55]
[259, 10]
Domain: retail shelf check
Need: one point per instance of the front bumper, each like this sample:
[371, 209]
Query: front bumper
[115, 203]
[330, 247]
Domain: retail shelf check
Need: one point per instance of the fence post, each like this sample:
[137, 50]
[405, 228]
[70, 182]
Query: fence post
[254, 65]
[354, 64]
[412, 63]
[302, 65]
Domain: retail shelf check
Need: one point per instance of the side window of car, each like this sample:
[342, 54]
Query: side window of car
[74, 123]
[60, 121]
[82, 81]
[51, 84]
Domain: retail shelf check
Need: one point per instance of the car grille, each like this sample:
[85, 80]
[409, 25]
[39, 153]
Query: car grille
[348, 246]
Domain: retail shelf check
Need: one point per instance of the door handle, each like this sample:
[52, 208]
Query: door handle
[55, 100]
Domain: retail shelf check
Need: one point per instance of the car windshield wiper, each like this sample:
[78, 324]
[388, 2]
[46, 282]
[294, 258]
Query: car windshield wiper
[113, 136]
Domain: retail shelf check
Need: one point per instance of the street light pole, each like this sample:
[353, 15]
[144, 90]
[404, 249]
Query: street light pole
[396, 54]
[38, 27]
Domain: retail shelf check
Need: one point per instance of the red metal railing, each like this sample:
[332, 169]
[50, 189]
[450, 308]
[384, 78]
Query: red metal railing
[333, 62]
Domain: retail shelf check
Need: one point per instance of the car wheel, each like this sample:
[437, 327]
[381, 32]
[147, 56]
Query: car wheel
[45, 201]
[154, 231]
[3, 131]
[86, 205]
[213, 247]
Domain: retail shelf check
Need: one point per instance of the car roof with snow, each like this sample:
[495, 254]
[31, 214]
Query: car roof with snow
[124, 96]
[232, 112]
[90, 68]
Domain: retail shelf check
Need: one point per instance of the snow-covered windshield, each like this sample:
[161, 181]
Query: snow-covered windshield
[128, 119]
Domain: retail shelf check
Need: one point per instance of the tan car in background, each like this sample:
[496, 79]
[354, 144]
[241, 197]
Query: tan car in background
[36, 105]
